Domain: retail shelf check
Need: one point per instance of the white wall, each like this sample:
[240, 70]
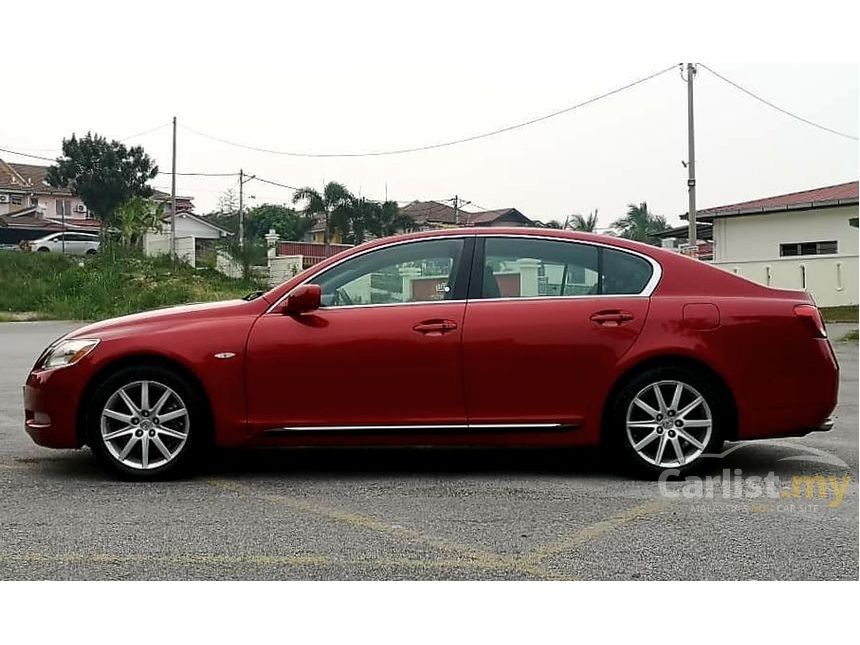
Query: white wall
[188, 227]
[284, 267]
[749, 246]
[159, 244]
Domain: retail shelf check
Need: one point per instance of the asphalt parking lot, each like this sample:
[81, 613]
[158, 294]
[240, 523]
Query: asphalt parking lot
[421, 514]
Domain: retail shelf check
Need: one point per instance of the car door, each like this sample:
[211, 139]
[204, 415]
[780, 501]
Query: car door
[73, 243]
[546, 323]
[382, 353]
[55, 243]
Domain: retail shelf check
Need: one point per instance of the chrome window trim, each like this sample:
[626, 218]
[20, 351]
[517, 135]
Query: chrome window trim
[647, 290]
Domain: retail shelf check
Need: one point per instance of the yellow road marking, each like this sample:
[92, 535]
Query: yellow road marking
[593, 531]
[463, 557]
[469, 556]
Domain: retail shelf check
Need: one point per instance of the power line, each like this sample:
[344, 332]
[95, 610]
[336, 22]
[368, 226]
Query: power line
[140, 134]
[432, 146]
[776, 107]
[274, 183]
[24, 154]
[200, 174]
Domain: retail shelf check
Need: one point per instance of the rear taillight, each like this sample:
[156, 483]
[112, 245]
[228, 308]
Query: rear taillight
[810, 315]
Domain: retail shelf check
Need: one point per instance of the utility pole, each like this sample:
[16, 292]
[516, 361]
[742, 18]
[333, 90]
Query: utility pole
[241, 209]
[173, 198]
[691, 162]
[457, 210]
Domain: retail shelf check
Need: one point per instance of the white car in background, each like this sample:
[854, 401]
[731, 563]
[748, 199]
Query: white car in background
[68, 242]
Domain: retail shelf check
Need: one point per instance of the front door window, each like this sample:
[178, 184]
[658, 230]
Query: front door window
[405, 273]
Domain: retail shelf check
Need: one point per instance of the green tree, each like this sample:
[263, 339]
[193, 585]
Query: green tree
[334, 200]
[288, 224]
[134, 217]
[361, 218]
[639, 224]
[104, 174]
[586, 223]
[554, 223]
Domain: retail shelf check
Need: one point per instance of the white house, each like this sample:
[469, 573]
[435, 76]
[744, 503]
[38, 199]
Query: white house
[806, 240]
[195, 238]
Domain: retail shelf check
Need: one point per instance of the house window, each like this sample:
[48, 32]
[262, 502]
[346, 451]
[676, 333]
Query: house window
[808, 248]
[64, 207]
[17, 200]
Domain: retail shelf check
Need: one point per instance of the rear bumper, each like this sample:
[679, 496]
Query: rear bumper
[795, 402]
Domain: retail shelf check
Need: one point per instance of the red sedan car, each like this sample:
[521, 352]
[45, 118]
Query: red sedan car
[457, 337]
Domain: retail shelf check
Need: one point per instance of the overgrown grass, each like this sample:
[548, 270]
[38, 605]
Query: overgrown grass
[51, 286]
[850, 337]
[847, 313]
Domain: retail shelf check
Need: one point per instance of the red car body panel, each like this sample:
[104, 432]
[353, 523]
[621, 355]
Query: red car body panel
[505, 361]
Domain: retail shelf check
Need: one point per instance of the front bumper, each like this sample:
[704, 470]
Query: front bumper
[50, 407]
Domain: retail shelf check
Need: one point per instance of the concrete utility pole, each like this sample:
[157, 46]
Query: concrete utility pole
[457, 210]
[241, 209]
[173, 198]
[691, 162]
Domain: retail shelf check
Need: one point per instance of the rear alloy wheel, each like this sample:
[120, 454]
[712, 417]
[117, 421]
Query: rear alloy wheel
[141, 422]
[667, 419]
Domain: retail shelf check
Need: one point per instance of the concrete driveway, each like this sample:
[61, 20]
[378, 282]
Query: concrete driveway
[424, 514]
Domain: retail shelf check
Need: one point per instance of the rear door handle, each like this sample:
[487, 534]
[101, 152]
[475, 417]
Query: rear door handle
[611, 318]
[435, 327]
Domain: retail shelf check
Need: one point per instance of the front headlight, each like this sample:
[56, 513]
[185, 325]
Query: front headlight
[66, 352]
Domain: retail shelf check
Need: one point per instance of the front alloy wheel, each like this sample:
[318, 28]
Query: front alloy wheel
[145, 425]
[142, 422]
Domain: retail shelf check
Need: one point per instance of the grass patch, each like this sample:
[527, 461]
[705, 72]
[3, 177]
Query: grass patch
[51, 286]
[847, 313]
[850, 337]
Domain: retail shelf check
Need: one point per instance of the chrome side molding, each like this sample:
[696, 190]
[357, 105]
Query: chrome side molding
[468, 427]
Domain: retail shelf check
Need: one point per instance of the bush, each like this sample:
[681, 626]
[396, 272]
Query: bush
[54, 286]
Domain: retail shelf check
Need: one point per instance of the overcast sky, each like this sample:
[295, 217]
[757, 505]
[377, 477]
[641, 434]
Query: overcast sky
[626, 148]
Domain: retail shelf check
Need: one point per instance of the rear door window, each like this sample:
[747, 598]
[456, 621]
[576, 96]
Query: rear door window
[521, 267]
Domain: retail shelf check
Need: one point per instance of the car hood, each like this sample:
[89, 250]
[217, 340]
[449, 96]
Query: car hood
[165, 316]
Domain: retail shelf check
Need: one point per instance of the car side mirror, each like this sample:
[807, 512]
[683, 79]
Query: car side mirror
[303, 298]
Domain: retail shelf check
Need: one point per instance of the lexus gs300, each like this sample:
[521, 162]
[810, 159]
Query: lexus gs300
[490, 337]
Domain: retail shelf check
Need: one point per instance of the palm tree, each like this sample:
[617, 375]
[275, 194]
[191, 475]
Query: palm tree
[587, 224]
[554, 223]
[639, 224]
[334, 198]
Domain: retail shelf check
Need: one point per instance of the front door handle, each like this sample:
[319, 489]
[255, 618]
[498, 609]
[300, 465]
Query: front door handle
[611, 318]
[435, 327]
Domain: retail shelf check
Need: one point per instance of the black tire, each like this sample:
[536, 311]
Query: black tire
[621, 440]
[92, 252]
[194, 428]
[44, 249]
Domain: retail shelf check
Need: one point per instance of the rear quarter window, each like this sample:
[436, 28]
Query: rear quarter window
[624, 273]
